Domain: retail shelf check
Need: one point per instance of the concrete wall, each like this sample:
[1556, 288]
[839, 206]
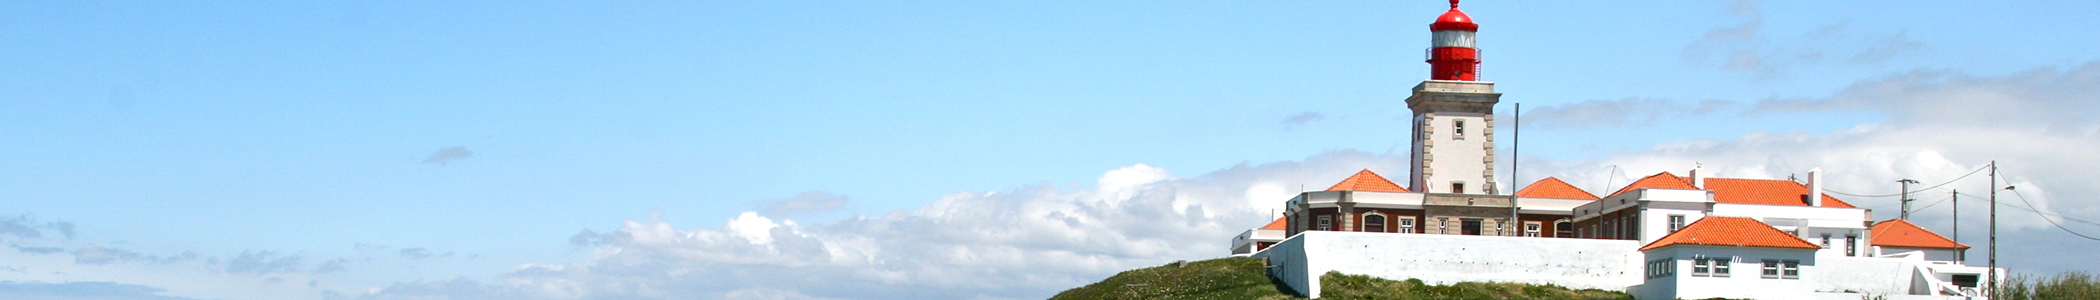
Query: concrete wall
[1445, 259]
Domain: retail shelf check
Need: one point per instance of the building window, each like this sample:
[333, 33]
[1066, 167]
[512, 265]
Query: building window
[1851, 245]
[1374, 223]
[1702, 267]
[1326, 223]
[1790, 269]
[1443, 226]
[1458, 187]
[1633, 226]
[1531, 229]
[1721, 266]
[1676, 222]
[1500, 226]
[1771, 270]
[1826, 241]
[1407, 225]
[1458, 129]
[1563, 228]
[1662, 268]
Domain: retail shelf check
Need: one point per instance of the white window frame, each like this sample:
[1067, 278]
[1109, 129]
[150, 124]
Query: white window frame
[1407, 224]
[1770, 269]
[1326, 223]
[1676, 222]
[1443, 225]
[1721, 266]
[1790, 269]
[1702, 267]
[1531, 228]
[1826, 241]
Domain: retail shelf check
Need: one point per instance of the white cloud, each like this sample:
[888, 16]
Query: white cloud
[1025, 243]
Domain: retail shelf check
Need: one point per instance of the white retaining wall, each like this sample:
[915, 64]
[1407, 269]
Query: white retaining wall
[1445, 259]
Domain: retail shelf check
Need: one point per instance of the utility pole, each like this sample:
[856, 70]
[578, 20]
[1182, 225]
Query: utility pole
[1959, 255]
[1994, 231]
[1906, 182]
[1516, 226]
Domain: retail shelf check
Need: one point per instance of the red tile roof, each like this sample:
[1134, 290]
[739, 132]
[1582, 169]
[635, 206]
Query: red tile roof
[1658, 181]
[1900, 233]
[1278, 224]
[1730, 231]
[1765, 191]
[1554, 188]
[1367, 181]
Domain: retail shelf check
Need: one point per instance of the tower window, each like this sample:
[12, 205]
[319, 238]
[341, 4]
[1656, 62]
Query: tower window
[1458, 129]
[1458, 187]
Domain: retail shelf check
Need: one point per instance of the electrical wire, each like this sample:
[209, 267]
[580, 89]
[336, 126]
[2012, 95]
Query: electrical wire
[2038, 212]
[1942, 200]
[2023, 199]
[1913, 191]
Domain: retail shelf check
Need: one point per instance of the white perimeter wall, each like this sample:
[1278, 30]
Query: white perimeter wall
[1445, 259]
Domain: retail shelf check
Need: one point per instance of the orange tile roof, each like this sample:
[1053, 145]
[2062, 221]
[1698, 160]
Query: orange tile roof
[1730, 231]
[1367, 181]
[1900, 233]
[1554, 188]
[1765, 191]
[1658, 181]
[1278, 224]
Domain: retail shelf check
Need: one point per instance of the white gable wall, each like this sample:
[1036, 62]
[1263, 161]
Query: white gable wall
[1745, 279]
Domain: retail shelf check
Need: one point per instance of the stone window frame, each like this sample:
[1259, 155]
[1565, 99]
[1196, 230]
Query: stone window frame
[1406, 224]
[1382, 222]
[1458, 129]
[1325, 222]
[1532, 228]
[1458, 187]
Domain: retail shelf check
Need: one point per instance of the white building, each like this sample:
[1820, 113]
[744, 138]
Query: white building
[1661, 237]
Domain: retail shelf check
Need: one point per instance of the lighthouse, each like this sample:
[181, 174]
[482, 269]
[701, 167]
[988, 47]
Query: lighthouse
[1451, 54]
[1454, 114]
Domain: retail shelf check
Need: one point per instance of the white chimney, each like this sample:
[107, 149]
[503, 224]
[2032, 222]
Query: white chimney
[1698, 178]
[1815, 187]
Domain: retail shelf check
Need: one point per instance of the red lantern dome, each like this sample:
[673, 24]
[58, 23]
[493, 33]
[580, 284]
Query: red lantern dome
[1451, 53]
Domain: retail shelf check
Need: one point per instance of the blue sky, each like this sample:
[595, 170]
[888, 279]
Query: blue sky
[437, 140]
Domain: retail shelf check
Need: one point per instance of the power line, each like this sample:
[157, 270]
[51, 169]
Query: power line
[2038, 212]
[1934, 203]
[2023, 199]
[1900, 194]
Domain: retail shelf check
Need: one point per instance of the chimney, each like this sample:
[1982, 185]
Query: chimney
[1698, 178]
[1815, 187]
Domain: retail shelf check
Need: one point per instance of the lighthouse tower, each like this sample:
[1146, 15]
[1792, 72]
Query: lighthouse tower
[1454, 123]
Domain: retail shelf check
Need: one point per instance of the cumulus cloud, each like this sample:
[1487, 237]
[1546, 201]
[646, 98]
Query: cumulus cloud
[1746, 46]
[804, 203]
[448, 155]
[1028, 242]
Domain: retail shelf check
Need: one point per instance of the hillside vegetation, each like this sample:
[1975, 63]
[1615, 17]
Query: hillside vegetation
[1244, 278]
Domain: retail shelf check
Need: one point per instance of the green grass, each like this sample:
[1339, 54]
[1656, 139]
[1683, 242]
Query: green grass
[2064, 286]
[1225, 278]
[1244, 278]
[1341, 287]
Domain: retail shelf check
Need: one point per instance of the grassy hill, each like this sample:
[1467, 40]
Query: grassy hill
[1243, 278]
